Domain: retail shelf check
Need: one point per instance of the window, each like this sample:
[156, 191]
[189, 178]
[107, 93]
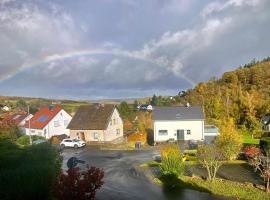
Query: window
[96, 136]
[113, 121]
[163, 132]
[45, 131]
[117, 131]
[66, 122]
[56, 123]
[110, 122]
[32, 131]
[188, 132]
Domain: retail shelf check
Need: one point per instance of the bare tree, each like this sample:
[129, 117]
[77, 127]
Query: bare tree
[210, 158]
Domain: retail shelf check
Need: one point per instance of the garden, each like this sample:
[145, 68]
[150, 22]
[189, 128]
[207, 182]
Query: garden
[219, 168]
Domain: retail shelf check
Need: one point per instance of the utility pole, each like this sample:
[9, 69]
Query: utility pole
[29, 126]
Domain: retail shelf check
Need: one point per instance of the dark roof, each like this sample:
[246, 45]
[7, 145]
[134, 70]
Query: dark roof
[178, 113]
[92, 117]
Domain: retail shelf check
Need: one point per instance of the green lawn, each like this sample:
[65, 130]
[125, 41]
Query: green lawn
[248, 140]
[234, 179]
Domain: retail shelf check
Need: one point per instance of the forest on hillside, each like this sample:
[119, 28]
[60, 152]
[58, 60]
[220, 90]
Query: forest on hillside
[242, 95]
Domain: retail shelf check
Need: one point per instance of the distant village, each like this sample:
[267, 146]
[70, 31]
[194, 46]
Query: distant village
[104, 123]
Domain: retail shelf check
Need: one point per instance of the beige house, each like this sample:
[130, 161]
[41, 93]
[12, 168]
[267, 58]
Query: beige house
[97, 123]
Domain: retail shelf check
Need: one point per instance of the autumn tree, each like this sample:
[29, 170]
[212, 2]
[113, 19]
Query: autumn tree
[229, 141]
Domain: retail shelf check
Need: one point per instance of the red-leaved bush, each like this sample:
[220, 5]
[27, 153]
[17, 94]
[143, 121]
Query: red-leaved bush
[80, 185]
[260, 162]
[252, 151]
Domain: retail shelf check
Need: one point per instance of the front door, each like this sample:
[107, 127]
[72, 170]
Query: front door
[180, 134]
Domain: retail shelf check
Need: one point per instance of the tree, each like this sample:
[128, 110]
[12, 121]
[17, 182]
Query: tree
[210, 158]
[229, 141]
[135, 104]
[154, 100]
[260, 162]
[124, 110]
[81, 185]
[9, 130]
[21, 104]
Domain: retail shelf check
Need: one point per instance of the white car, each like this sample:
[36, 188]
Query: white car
[72, 143]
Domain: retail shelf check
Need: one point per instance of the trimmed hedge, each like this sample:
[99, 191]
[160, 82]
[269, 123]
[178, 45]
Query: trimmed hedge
[28, 172]
[265, 144]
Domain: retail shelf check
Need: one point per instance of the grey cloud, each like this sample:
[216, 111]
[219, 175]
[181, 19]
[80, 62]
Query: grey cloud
[155, 48]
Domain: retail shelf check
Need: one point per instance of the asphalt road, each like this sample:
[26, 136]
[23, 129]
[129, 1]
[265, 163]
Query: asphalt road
[124, 179]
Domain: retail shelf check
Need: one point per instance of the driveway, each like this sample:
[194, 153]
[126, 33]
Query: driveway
[124, 179]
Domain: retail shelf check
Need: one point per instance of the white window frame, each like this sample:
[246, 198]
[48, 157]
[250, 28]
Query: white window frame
[189, 132]
[66, 122]
[56, 123]
[163, 132]
[96, 135]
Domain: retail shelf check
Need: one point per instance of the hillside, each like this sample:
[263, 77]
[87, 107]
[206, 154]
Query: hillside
[242, 94]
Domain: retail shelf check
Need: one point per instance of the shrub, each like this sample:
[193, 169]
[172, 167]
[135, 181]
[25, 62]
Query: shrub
[28, 172]
[57, 139]
[25, 139]
[9, 130]
[137, 136]
[260, 162]
[172, 162]
[81, 185]
[265, 144]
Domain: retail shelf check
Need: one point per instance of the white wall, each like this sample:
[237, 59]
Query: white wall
[115, 123]
[196, 129]
[50, 129]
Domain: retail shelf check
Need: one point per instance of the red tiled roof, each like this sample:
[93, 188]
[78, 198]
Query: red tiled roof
[43, 117]
[15, 118]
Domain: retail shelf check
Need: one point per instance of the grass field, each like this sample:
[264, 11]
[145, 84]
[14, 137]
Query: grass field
[248, 140]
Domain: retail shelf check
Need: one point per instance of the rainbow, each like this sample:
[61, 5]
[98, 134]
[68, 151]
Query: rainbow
[86, 52]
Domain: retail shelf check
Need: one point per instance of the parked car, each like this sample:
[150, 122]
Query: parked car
[75, 143]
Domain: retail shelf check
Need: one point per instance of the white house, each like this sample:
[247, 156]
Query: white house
[97, 123]
[178, 123]
[48, 122]
[5, 108]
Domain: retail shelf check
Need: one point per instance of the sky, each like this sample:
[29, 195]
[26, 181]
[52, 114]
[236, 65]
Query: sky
[95, 49]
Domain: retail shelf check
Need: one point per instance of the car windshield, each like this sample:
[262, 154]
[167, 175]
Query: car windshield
[76, 140]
